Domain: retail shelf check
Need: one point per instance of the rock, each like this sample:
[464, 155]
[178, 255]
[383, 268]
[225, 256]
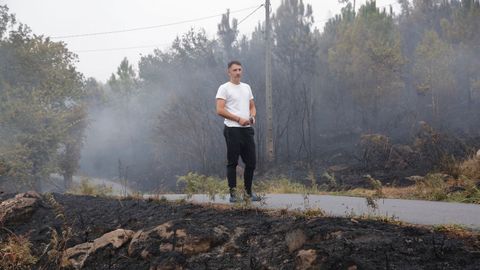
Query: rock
[478, 153]
[196, 245]
[116, 238]
[305, 259]
[174, 237]
[141, 240]
[77, 256]
[295, 240]
[415, 178]
[337, 234]
[231, 245]
[145, 255]
[29, 194]
[20, 208]
[136, 242]
[166, 247]
[337, 168]
[201, 240]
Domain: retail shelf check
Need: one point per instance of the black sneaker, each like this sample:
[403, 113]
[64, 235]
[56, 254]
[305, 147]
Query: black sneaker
[233, 198]
[253, 197]
[233, 195]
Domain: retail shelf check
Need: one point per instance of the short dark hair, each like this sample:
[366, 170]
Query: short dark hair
[234, 62]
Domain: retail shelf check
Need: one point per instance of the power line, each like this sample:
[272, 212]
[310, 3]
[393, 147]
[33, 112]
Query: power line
[154, 45]
[250, 14]
[158, 45]
[121, 48]
[146, 27]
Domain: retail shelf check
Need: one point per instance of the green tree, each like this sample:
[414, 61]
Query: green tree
[333, 93]
[434, 78]
[228, 35]
[40, 88]
[71, 145]
[124, 84]
[368, 58]
[295, 51]
[461, 31]
[184, 125]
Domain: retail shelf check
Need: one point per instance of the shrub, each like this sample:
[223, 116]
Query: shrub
[194, 183]
[470, 168]
[16, 253]
[281, 185]
[432, 187]
[449, 165]
[376, 149]
[331, 180]
[87, 188]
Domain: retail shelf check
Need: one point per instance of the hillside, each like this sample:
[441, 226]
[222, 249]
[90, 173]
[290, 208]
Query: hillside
[87, 232]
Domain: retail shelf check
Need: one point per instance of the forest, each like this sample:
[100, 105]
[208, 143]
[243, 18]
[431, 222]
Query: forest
[392, 94]
[381, 103]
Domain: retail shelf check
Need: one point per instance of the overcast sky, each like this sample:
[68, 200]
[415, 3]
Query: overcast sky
[100, 55]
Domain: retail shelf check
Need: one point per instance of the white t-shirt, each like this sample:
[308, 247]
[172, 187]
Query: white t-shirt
[237, 100]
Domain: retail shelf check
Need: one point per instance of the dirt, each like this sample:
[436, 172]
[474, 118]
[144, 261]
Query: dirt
[178, 235]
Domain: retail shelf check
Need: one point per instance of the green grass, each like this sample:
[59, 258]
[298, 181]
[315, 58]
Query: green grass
[194, 183]
[433, 187]
[87, 188]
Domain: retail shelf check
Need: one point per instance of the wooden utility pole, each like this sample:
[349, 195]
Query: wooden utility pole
[268, 82]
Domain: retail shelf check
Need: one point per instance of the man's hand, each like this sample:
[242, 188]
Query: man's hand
[243, 122]
[252, 120]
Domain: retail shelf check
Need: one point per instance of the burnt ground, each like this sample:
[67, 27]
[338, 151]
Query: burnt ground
[231, 238]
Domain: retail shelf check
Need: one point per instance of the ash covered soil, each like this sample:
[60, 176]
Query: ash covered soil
[107, 233]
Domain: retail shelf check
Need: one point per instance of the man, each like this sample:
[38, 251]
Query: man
[235, 104]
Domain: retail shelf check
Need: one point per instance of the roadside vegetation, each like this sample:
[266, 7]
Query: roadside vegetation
[433, 186]
[86, 187]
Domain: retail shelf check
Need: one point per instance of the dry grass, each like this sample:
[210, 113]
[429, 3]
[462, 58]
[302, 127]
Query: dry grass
[434, 186]
[314, 212]
[381, 218]
[87, 188]
[356, 192]
[470, 168]
[455, 230]
[16, 253]
[58, 241]
[399, 192]
[387, 192]
[284, 185]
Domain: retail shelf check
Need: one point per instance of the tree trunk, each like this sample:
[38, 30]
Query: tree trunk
[67, 180]
[37, 184]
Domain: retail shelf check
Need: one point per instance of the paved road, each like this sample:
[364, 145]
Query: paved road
[411, 211]
[56, 184]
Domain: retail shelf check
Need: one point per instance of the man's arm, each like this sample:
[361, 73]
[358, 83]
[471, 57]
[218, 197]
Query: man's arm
[226, 114]
[253, 111]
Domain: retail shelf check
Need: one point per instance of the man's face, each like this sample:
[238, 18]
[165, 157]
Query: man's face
[235, 72]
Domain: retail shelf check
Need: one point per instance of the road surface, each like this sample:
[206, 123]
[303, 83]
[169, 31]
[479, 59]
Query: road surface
[411, 211]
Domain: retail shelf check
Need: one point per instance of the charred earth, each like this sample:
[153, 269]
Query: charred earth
[84, 232]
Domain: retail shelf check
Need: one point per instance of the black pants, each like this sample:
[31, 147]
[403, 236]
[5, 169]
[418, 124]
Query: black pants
[240, 142]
